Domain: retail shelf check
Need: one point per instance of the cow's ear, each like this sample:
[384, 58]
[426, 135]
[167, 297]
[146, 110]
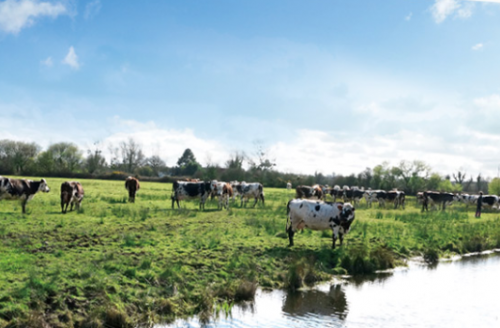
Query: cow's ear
[353, 209]
[339, 206]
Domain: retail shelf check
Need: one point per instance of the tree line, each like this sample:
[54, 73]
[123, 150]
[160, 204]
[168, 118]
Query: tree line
[65, 159]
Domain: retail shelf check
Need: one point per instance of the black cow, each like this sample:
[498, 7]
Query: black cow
[444, 198]
[353, 195]
[375, 196]
[21, 189]
[397, 197]
[191, 190]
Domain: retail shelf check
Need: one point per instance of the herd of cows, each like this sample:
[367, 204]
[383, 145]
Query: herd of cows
[310, 208]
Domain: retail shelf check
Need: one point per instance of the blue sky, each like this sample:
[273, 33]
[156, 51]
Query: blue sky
[328, 86]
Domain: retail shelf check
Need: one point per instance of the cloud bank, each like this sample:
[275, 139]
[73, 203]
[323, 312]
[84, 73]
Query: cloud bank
[16, 15]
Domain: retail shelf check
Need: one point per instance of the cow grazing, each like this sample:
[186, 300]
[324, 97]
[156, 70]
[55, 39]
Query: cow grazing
[132, 185]
[71, 193]
[250, 190]
[288, 186]
[314, 192]
[22, 189]
[319, 216]
[397, 197]
[191, 190]
[234, 184]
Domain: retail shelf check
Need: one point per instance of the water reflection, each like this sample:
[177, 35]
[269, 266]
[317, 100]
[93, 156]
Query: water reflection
[303, 303]
[454, 294]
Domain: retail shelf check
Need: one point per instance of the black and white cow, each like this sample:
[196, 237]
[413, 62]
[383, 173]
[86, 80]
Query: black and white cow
[443, 198]
[307, 192]
[314, 215]
[250, 190]
[397, 197]
[21, 189]
[378, 196]
[184, 190]
[335, 192]
[490, 201]
[353, 194]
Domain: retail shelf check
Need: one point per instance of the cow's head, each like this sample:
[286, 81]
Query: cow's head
[43, 186]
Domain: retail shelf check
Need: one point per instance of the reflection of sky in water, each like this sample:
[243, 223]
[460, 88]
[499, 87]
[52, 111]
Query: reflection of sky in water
[456, 294]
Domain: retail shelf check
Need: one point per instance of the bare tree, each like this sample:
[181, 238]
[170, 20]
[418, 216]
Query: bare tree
[95, 161]
[235, 160]
[132, 156]
[460, 177]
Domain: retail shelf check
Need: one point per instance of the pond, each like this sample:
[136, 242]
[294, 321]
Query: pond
[460, 293]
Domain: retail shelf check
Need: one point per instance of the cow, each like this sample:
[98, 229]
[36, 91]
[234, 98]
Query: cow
[378, 196]
[248, 190]
[183, 190]
[233, 185]
[71, 193]
[334, 192]
[289, 186]
[443, 198]
[223, 191]
[22, 189]
[490, 201]
[353, 195]
[315, 215]
[397, 197]
[314, 192]
[132, 185]
[468, 200]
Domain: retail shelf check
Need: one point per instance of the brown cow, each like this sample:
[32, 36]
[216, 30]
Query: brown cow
[132, 185]
[71, 193]
[314, 192]
[21, 189]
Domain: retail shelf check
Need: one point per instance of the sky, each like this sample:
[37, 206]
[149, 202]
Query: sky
[330, 86]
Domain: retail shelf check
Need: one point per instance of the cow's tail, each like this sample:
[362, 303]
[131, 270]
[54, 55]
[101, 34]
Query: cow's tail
[261, 193]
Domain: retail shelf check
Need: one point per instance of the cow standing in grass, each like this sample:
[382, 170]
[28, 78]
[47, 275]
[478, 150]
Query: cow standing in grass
[223, 191]
[21, 189]
[71, 193]
[307, 192]
[191, 190]
[250, 190]
[132, 185]
[314, 215]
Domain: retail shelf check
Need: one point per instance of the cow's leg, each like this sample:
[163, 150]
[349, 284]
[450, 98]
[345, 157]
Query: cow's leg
[62, 206]
[23, 205]
[262, 198]
[333, 239]
[290, 236]
[71, 208]
[341, 238]
[255, 203]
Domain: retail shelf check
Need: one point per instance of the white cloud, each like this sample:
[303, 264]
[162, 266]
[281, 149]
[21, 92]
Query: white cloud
[92, 9]
[442, 9]
[71, 59]
[16, 15]
[169, 144]
[408, 17]
[478, 46]
[47, 62]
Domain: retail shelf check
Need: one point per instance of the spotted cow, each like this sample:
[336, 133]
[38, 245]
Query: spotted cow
[71, 193]
[223, 191]
[315, 215]
[250, 190]
[21, 189]
[183, 190]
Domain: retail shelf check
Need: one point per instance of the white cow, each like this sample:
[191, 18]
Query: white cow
[303, 213]
[223, 191]
[288, 186]
[250, 190]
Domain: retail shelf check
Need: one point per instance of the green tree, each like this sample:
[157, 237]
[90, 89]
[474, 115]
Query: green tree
[494, 187]
[67, 157]
[187, 164]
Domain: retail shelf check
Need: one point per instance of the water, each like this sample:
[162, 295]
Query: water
[463, 293]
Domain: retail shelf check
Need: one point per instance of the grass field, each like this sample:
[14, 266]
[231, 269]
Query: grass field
[115, 264]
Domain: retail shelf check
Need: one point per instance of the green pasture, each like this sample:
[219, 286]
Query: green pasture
[115, 264]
